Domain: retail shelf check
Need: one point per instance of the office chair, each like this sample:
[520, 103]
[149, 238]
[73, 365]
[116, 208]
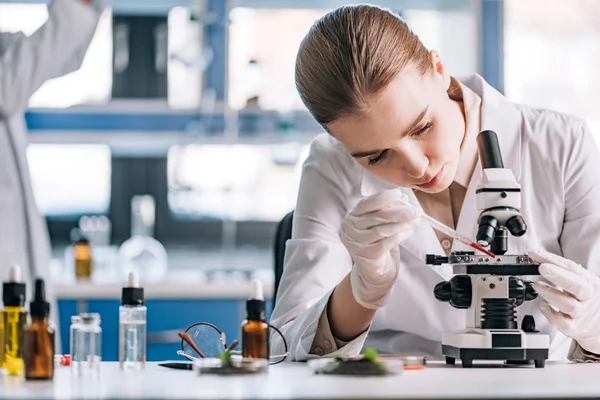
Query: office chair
[283, 233]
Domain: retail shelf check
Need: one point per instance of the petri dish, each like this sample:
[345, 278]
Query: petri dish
[410, 362]
[330, 366]
[238, 366]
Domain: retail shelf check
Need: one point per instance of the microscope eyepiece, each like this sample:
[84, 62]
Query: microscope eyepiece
[516, 226]
[489, 150]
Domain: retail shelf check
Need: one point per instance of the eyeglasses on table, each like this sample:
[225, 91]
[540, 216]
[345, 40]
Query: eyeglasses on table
[211, 342]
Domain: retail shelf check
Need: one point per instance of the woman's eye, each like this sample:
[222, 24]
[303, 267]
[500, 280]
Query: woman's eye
[379, 158]
[423, 129]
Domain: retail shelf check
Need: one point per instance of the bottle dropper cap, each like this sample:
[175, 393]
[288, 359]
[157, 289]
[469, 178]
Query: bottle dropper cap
[133, 294]
[39, 307]
[13, 291]
[255, 305]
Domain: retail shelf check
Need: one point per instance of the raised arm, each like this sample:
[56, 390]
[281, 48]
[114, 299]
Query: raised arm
[55, 49]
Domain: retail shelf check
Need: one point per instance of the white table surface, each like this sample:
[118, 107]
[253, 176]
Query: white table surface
[296, 380]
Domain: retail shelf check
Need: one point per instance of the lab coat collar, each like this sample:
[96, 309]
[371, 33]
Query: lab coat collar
[497, 114]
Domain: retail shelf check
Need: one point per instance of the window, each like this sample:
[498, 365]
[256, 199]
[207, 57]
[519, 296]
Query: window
[187, 59]
[263, 44]
[453, 33]
[550, 59]
[238, 182]
[92, 83]
[70, 179]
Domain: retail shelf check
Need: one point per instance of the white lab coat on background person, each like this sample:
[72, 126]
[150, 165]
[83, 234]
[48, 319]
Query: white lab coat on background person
[26, 62]
[553, 157]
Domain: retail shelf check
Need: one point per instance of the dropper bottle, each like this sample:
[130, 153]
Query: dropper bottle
[39, 337]
[12, 323]
[255, 330]
[132, 325]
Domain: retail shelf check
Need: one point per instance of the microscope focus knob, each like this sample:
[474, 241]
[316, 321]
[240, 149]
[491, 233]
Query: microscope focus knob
[443, 291]
[457, 291]
[530, 293]
[432, 259]
[521, 290]
[528, 324]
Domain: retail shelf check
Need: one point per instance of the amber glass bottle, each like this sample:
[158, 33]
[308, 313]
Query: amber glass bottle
[39, 338]
[255, 330]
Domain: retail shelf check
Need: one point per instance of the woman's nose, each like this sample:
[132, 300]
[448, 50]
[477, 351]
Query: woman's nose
[414, 161]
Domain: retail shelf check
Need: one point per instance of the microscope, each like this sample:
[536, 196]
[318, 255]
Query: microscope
[491, 288]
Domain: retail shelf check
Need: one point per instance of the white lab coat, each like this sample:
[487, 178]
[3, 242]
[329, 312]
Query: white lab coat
[553, 156]
[56, 49]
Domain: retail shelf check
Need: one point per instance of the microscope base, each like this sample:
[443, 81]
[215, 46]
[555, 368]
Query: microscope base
[511, 346]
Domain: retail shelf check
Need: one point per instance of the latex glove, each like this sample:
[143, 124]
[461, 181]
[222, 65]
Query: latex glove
[576, 298]
[372, 232]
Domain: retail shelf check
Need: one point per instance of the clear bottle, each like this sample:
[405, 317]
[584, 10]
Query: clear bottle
[141, 252]
[75, 325]
[87, 355]
[12, 323]
[38, 345]
[255, 330]
[132, 326]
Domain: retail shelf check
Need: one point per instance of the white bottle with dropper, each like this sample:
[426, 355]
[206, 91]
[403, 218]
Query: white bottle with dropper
[132, 326]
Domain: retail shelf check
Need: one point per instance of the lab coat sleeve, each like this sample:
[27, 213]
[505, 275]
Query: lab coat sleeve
[580, 240]
[315, 258]
[8, 38]
[55, 49]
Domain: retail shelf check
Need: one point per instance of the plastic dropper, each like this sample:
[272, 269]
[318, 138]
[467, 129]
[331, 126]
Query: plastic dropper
[257, 290]
[445, 229]
[14, 274]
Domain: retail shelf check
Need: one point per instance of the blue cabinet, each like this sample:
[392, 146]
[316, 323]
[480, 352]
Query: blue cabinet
[165, 318]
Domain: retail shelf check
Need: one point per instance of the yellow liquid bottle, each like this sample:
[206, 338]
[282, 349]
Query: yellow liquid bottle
[1, 344]
[82, 253]
[12, 324]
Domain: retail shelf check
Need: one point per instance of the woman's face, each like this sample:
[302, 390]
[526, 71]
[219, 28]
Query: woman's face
[412, 134]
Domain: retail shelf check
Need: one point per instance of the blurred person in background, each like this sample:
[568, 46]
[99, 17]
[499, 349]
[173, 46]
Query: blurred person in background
[26, 62]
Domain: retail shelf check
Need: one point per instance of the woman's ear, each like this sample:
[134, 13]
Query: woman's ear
[439, 69]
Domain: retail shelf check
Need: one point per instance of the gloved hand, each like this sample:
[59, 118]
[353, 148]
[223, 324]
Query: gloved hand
[371, 232]
[576, 296]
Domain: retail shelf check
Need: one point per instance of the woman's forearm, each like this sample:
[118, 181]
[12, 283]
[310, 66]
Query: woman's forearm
[347, 318]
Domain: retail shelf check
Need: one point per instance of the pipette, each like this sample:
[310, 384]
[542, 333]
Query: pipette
[452, 233]
[445, 229]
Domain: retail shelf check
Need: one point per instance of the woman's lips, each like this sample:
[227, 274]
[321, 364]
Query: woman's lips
[434, 181]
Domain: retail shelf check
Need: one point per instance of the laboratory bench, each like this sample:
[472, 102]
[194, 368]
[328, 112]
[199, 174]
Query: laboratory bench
[199, 287]
[171, 309]
[299, 381]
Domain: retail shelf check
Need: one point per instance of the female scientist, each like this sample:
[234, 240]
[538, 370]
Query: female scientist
[398, 125]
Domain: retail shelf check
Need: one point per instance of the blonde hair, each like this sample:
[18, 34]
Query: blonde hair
[350, 55]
